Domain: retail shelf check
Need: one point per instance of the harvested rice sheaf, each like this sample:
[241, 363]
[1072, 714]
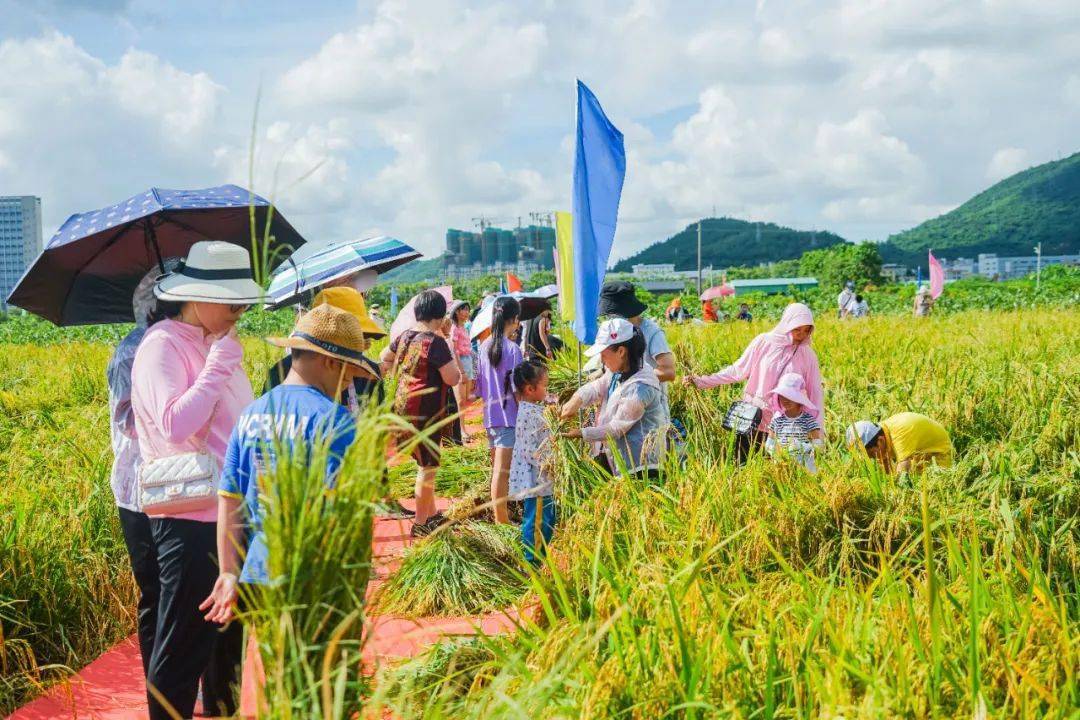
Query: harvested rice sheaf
[466, 568]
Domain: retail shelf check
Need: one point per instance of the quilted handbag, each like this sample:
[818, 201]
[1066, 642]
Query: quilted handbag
[178, 483]
[185, 482]
[742, 417]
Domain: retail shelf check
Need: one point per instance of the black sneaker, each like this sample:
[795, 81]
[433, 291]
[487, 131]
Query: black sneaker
[394, 510]
[426, 528]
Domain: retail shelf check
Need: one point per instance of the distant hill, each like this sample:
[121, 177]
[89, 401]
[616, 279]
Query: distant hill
[1041, 204]
[727, 242]
[415, 271]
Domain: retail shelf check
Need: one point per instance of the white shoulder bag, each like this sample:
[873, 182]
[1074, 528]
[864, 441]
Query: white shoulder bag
[181, 483]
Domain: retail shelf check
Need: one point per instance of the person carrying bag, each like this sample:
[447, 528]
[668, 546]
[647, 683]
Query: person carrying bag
[188, 389]
[786, 348]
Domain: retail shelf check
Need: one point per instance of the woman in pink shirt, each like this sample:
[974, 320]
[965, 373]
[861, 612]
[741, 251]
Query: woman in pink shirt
[188, 389]
[771, 354]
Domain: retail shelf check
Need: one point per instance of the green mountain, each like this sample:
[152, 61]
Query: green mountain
[727, 242]
[1041, 204]
[415, 271]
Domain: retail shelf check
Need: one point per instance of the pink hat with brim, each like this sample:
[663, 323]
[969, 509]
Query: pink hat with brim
[793, 387]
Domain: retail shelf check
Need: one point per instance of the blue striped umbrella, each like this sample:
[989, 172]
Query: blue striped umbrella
[296, 278]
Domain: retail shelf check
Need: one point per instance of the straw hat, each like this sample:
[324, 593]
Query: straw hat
[213, 272]
[329, 331]
[351, 301]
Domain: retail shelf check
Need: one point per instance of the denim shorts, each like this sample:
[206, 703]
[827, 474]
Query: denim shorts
[467, 366]
[500, 437]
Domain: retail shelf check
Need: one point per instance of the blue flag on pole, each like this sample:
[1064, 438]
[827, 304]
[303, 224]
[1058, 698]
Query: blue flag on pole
[599, 170]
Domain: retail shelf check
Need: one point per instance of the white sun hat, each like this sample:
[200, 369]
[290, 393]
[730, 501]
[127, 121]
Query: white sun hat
[611, 332]
[213, 272]
[793, 387]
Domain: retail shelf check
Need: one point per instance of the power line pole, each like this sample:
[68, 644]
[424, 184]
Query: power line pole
[1038, 265]
[699, 257]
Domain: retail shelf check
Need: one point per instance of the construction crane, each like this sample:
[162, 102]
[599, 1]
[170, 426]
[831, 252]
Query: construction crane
[542, 218]
[484, 222]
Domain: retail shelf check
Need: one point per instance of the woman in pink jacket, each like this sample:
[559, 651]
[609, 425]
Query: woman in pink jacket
[786, 348]
[188, 389]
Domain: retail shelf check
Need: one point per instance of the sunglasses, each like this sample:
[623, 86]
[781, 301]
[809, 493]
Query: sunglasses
[238, 309]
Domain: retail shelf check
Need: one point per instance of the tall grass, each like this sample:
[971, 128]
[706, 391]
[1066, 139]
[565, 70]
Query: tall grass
[764, 591]
[309, 620]
[759, 591]
[66, 592]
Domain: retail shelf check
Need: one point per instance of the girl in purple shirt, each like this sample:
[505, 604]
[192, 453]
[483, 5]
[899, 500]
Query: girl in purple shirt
[498, 358]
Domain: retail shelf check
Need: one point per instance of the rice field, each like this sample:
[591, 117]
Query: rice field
[759, 591]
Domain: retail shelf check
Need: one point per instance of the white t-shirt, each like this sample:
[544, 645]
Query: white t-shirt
[656, 344]
[845, 300]
[860, 309]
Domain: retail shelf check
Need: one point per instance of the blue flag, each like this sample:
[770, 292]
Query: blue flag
[393, 302]
[599, 169]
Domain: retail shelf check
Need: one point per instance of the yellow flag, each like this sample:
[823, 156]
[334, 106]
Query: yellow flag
[564, 246]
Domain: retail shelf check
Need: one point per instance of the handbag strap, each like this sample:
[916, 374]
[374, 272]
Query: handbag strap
[401, 344]
[790, 358]
[206, 430]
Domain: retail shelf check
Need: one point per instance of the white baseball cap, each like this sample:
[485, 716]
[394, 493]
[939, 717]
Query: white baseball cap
[611, 332]
[863, 432]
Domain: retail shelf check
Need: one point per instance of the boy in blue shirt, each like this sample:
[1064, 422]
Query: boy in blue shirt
[295, 416]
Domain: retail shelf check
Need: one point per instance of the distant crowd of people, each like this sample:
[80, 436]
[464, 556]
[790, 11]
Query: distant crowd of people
[194, 448]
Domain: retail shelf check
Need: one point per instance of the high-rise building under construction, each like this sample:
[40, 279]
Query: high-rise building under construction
[495, 248]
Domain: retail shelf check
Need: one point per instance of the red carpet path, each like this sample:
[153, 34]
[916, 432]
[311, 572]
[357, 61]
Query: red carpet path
[112, 688]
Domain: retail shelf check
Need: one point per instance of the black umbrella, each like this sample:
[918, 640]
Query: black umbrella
[89, 269]
[531, 307]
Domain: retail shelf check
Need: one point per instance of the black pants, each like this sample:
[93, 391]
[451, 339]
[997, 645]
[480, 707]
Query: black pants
[747, 444]
[143, 556]
[185, 645]
[647, 474]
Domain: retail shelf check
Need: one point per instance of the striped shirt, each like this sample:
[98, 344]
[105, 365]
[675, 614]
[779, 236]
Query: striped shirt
[790, 430]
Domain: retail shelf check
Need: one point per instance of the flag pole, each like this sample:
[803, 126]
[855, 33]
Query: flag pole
[581, 411]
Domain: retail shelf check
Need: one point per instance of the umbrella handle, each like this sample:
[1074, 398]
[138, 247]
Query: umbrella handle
[151, 236]
[296, 270]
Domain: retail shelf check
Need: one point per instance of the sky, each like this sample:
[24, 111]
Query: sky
[406, 117]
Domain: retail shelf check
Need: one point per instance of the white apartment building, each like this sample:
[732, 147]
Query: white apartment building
[20, 239]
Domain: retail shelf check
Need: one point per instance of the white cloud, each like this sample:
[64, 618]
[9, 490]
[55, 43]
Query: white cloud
[145, 86]
[860, 116]
[1006, 162]
[83, 133]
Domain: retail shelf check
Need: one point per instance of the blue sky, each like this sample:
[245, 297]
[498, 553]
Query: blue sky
[406, 117]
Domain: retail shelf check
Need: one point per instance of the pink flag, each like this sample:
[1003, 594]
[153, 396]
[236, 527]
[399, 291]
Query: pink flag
[937, 277]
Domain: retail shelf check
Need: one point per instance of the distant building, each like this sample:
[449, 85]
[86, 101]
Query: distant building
[661, 269]
[20, 239]
[667, 271]
[894, 272]
[471, 272]
[959, 268]
[1004, 268]
[772, 286]
[472, 254]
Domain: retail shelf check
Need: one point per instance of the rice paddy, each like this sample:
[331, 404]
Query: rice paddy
[759, 591]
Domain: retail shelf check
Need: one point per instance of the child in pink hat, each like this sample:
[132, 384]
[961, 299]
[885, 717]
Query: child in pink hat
[793, 429]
